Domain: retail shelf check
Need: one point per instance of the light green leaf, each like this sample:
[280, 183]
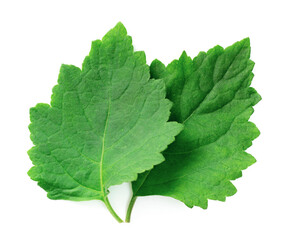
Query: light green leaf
[105, 124]
[213, 99]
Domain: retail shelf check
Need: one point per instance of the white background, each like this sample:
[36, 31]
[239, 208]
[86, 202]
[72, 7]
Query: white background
[38, 36]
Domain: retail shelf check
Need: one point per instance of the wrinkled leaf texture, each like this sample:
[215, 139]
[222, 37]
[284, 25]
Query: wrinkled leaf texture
[105, 124]
[213, 99]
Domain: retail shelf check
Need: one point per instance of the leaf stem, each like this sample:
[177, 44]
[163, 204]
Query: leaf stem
[130, 208]
[115, 215]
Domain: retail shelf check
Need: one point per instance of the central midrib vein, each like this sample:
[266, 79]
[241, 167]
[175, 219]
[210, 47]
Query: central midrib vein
[103, 150]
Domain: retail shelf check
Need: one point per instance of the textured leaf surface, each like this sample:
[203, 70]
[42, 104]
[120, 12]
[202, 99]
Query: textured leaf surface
[213, 99]
[105, 124]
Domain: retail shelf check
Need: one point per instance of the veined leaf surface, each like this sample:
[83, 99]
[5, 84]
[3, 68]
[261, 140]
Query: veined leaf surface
[105, 124]
[213, 99]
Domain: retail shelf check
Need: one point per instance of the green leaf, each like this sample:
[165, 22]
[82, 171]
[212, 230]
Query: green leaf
[213, 99]
[105, 124]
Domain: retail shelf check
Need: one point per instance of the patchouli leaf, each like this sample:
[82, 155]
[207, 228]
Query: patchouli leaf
[213, 99]
[105, 124]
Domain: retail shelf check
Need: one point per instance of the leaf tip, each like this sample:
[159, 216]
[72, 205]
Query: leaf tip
[157, 68]
[246, 41]
[183, 55]
[119, 30]
[120, 25]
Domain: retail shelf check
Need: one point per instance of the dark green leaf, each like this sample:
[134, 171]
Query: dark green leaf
[213, 99]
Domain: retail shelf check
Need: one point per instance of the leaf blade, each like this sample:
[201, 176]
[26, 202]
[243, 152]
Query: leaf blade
[105, 123]
[213, 100]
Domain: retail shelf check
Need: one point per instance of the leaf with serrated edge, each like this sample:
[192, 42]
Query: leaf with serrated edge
[213, 99]
[105, 124]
